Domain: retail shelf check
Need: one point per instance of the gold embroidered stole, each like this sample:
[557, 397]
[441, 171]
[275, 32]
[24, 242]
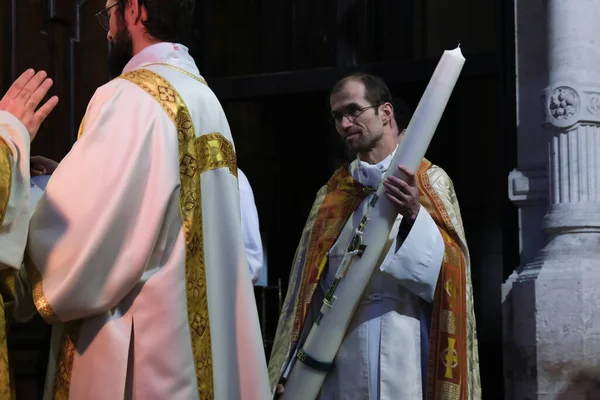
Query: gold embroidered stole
[5, 178]
[6, 279]
[448, 358]
[196, 156]
[342, 199]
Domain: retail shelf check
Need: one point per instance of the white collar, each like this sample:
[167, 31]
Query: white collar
[371, 174]
[169, 53]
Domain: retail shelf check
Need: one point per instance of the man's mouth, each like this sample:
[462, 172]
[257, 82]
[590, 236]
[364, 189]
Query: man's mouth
[352, 135]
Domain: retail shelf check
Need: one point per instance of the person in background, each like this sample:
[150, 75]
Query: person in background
[20, 120]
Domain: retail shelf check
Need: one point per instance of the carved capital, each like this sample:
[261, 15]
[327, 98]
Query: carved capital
[528, 187]
[567, 104]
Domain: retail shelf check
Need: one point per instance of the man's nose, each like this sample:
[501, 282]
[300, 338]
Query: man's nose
[345, 123]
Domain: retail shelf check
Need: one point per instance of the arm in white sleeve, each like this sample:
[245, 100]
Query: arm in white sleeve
[417, 261]
[97, 223]
[250, 227]
[14, 190]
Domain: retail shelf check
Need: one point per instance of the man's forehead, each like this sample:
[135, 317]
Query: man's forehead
[353, 92]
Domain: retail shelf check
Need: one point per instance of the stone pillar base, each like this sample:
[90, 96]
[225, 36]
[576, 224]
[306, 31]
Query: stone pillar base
[552, 325]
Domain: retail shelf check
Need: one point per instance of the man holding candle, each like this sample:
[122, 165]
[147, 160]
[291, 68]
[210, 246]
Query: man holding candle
[405, 326]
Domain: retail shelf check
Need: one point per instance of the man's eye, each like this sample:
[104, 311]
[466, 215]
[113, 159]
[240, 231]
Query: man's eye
[354, 111]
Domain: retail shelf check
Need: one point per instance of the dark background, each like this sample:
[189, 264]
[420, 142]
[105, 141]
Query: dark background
[272, 63]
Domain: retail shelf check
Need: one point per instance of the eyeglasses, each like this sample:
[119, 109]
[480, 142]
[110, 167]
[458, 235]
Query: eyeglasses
[104, 16]
[338, 117]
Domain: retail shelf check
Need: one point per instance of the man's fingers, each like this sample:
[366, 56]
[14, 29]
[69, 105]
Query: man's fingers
[18, 85]
[36, 171]
[399, 183]
[396, 192]
[410, 176]
[40, 115]
[32, 86]
[394, 200]
[39, 94]
[45, 110]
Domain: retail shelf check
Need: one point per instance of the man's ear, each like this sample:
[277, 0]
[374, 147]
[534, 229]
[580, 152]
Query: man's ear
[133, 11]
[387, 113]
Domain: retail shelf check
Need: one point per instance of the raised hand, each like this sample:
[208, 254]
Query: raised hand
[24, 97]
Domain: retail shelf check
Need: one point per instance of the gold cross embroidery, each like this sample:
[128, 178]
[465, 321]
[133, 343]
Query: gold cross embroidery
[451, 358]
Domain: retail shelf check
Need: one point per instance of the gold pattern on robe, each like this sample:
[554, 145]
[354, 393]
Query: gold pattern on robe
[6, 386]
[5, 178]
[5, 381]
[214, 151]
[80, 132]
[64, 365]
[39, 299]
[192, 154]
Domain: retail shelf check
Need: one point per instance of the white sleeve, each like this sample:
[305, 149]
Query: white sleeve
[97, 223]
[250, 227]
[417, 261]
[14, 190]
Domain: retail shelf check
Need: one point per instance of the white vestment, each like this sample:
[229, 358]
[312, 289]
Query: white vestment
[381, 354]
[250, 226]
[108, 241]
[13, 233]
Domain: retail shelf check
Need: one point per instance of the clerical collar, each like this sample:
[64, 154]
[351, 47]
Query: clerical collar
[164, 52]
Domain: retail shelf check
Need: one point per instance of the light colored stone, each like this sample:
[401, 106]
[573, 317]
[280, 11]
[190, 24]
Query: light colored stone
[551, 304]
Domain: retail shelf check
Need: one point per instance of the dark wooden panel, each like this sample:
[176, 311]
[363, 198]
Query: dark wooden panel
[62, 38]
[306, 81]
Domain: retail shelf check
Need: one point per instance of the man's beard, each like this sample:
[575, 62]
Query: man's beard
[120, 51]
[364, 144]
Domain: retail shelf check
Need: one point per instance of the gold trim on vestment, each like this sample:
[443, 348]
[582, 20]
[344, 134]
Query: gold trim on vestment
[5, 178]
[64, 365]
[214, 151]
[5, 381]
[80, 132]
[191, 212]
[39, 299]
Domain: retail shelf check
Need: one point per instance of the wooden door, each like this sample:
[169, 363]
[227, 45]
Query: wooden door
[63, 38]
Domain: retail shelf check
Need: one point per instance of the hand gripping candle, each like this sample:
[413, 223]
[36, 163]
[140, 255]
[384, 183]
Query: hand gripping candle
[364, 250]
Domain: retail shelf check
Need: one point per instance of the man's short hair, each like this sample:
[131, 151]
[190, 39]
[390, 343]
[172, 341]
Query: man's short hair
[168, 20]
[377, 92]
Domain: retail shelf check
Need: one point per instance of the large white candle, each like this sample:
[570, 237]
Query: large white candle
[326, 337]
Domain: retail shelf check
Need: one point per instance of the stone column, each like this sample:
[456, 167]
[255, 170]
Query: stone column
[552, 302]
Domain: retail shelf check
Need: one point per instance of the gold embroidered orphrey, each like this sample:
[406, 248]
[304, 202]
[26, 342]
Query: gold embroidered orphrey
[6, 384]
[196, 156]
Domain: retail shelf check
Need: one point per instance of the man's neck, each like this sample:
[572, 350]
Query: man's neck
[141, 45]
[384, 148]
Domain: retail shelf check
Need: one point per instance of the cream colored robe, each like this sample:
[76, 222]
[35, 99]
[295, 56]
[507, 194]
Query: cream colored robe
[107, 239]
[13, 233]
[14, 222]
